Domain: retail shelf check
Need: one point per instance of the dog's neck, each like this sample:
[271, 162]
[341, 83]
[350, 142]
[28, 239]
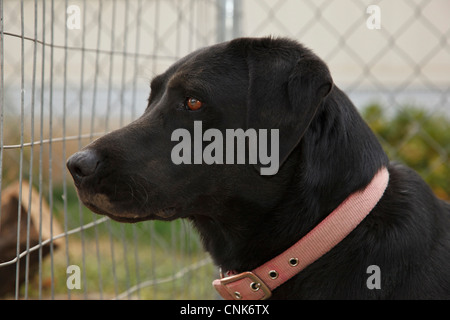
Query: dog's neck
[324, 237]
[318, 182]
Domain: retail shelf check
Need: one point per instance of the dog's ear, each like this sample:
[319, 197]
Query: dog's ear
[287, 85]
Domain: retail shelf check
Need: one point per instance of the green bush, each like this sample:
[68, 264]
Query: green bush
[417, 139]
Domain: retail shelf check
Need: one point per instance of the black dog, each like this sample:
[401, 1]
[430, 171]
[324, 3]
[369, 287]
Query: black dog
[326, 153]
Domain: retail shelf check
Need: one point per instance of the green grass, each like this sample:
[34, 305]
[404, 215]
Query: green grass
[108, 270]
[112, 261]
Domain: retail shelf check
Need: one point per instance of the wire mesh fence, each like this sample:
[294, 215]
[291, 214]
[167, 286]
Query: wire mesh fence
[74, 70]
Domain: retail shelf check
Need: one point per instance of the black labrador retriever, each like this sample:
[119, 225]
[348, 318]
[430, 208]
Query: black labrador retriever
[324, 152]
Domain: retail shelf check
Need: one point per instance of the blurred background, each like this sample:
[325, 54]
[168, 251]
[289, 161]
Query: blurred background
[74, 70]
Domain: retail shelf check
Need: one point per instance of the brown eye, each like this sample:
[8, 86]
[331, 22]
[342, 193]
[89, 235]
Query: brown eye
[193, 104]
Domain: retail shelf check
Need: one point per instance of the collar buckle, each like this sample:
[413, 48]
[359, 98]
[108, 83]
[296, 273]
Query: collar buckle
[242, 286]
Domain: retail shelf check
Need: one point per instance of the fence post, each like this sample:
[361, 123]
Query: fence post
[229, 16]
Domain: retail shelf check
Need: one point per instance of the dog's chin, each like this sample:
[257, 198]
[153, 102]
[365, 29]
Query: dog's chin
[166, 214]
[128, 216]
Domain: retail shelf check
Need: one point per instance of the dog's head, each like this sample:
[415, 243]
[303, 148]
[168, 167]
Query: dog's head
[167, 163]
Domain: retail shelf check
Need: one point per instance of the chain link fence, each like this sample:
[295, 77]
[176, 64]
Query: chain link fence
[73, 70]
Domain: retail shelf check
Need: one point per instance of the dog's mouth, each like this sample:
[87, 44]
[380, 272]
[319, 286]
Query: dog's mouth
[133, 215]
[125, 217]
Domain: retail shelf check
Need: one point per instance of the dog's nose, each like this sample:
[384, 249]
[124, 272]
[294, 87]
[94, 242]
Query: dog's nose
[82, 164]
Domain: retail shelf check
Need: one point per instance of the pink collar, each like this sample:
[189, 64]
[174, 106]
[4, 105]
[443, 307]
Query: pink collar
[259, 283]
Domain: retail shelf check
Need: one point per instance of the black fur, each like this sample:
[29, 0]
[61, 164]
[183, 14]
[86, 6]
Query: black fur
[327, 152]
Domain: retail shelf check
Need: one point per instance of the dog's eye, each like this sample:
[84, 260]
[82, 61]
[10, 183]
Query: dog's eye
[193, 104]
